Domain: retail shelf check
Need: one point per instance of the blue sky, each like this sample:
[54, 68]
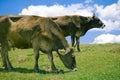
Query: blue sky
[107, 10]
[16, 6]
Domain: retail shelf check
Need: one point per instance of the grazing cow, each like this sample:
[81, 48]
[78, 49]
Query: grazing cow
[76, 26]
[44, 35]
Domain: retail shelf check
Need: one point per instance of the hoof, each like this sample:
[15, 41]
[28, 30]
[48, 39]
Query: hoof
[79, 50]
[41, 71]
[36, 70]
[9, 69]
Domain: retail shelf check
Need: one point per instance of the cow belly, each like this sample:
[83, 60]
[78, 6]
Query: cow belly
[46, 45]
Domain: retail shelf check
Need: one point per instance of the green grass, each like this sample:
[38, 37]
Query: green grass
[94, 62]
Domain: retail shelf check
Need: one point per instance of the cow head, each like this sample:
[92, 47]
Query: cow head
[69, 60]
[95, 22]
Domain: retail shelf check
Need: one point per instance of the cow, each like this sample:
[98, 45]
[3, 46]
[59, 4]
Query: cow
[42, 33]
[77, 26]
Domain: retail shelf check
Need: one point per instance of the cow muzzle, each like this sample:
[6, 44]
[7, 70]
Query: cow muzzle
[74, 69]
[103, 26]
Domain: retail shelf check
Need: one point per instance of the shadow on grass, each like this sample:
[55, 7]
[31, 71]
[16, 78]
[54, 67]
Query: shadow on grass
[25, 70]
[21, 70]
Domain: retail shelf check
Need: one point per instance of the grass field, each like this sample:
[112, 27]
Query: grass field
[94, 62]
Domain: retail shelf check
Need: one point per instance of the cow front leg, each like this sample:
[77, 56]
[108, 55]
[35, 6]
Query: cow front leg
[36, 56]
[50, 56]
[77, 43]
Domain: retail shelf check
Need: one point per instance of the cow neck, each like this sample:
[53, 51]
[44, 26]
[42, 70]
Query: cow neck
[84, 29]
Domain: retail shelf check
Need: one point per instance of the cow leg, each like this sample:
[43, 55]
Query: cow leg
[4, 54]
[9, 65]
[73, 40]
[50, 56]
[77, 43]
[3, 58]
[36, 56]
[6, 61]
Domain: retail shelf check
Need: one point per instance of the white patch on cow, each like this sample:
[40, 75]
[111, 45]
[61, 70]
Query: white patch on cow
[107, 38]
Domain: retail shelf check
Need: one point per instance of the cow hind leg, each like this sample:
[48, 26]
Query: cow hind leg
[4, 55]
[6, 62]
[3, 59]
[9, 65]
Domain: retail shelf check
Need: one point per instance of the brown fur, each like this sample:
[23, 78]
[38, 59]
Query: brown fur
[76, 26]
[44, 35]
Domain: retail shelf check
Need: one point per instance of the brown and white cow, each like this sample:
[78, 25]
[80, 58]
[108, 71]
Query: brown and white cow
[44, 35]
[76, 26]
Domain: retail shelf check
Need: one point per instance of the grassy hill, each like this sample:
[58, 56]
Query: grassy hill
[94, 62]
